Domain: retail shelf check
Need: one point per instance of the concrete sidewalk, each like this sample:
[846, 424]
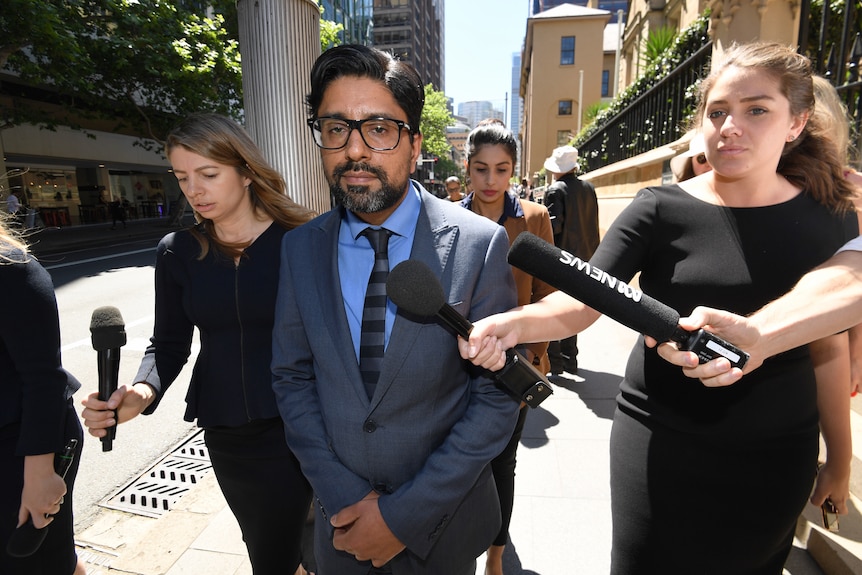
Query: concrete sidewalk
[561, 523]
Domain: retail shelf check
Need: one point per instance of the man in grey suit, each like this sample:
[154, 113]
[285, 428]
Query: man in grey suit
[399, 464]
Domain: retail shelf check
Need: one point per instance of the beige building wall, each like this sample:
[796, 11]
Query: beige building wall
[645, 16]
[458, 140]
[730, 21]
[545, 82]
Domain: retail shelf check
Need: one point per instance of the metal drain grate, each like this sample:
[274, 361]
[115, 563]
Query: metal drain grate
[159, 487]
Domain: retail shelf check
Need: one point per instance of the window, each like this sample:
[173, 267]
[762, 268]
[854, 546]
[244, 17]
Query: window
[564, 108]
[606, 80]
[563, 137]
[567, 51]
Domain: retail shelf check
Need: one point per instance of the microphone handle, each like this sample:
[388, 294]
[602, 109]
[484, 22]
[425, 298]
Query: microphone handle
[518, 378]
[459, 324]
[109, 372]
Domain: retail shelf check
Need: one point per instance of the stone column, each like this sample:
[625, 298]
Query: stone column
[279, 41]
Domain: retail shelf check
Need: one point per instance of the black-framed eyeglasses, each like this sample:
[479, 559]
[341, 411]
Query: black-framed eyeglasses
[379, 134]
[701, 159]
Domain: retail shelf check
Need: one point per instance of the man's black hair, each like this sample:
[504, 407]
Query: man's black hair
[365, 62]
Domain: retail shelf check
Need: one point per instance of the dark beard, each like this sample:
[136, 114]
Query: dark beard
[359, 199]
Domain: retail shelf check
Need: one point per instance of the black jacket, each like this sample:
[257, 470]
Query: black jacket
[574, 212]
[34, 387]
[232, 306]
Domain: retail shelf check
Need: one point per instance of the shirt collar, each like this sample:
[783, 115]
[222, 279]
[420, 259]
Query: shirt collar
[511, 206]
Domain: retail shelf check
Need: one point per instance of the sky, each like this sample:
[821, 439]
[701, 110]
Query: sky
[481, 36]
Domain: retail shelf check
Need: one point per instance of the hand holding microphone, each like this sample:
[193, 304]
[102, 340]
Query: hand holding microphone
[415, 289]
[108, 335]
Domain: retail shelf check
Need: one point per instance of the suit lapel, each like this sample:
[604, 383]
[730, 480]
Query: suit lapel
[328, 285]
[432, 223]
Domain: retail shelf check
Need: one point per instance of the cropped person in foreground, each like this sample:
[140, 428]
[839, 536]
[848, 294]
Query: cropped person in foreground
[37, 417]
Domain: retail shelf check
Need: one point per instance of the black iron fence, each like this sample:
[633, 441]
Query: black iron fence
[655, 118]
[830, 34]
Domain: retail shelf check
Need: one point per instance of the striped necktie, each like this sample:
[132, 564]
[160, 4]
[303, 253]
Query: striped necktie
[372, 341]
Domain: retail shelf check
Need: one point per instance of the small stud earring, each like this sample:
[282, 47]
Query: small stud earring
[791, 138]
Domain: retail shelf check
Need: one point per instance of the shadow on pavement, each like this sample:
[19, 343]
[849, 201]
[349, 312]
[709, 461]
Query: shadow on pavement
[535, 428]
[594, 388]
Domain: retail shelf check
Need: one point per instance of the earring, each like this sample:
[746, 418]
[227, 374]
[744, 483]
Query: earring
[791, 138]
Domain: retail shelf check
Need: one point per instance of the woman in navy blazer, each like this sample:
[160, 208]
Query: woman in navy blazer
[221, 277]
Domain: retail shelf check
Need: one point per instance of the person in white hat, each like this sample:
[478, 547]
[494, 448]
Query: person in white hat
[692, 162]
[574, 211]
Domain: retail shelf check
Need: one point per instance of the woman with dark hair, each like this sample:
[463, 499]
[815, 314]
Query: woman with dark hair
[492, 152]
[687, 461]
[221, 277]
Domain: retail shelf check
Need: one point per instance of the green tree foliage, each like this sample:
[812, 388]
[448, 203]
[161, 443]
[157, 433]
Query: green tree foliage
[446, 167]
[329, 31]
[593, 110]
[657, 43]
[435, 119]
[137, 64]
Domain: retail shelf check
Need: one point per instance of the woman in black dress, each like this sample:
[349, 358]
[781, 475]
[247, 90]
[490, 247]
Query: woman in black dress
[221, 277]
[712, 480]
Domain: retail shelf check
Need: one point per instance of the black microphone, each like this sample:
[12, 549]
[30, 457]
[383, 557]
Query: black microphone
[27, 538]
[109, 335]
[414, 288]
[615, 298]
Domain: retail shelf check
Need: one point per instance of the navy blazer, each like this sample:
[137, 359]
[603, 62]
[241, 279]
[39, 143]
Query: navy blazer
[425, 440]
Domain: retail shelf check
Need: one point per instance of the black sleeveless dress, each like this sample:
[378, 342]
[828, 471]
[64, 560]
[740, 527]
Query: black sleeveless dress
[707, 480]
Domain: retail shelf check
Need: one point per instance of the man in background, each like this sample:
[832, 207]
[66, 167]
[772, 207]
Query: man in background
[12, 203]
[574, 211]
[453, 188]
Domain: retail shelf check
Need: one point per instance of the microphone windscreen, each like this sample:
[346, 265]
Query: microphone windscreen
[413, 287]
[594, 287]
[107, 328]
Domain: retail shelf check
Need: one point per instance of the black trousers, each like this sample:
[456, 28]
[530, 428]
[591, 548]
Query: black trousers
[265, 489]
[564, 354]
[503, 467]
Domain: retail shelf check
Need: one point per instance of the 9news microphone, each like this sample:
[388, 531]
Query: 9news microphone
[615, 299]
[108, 335]
[414, 288]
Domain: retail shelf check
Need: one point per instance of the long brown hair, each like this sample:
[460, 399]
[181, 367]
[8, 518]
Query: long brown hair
[811, 161]
[222, 140]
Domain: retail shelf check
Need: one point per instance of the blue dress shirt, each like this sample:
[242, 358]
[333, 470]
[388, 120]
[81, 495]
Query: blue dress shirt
[356, 258]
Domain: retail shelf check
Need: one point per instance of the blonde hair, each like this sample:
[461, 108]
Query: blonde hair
[833, 115]
[221, 139]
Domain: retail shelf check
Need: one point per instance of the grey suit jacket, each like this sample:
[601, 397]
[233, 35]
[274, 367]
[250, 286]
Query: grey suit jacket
[425, 440]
